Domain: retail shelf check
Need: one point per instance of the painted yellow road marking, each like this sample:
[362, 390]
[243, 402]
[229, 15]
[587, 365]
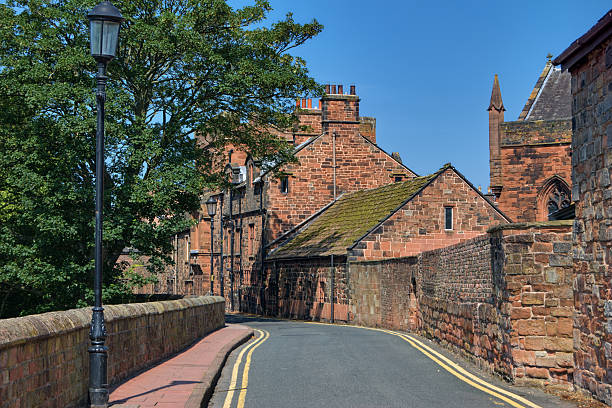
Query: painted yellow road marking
[454, 369]
[470, 375]
[232, 386]
[245, 374]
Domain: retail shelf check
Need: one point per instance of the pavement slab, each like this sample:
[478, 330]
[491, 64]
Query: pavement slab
[184, 380]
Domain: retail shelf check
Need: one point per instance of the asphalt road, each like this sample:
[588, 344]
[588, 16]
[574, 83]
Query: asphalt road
[299, 364]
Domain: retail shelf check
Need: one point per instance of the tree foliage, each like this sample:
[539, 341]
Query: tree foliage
[191, 77]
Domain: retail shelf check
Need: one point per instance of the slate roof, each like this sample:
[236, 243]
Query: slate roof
[551, 96]
[350, 218]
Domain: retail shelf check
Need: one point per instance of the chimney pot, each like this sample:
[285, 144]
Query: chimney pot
[341, 89]
[327, 91]
[309, 103]
[352, 90]
[333, 89]
[319, 104]
[303, 103]
[297, 103]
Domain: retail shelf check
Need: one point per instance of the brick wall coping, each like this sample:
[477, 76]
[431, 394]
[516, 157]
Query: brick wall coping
[20, 330]
[412, 258]
[558, 224]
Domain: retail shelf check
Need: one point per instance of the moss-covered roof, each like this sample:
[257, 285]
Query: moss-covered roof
[350, 218]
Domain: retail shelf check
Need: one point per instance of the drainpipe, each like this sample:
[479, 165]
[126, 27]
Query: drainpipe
[334, 134]
[347, 274]
[332, 287]
[231, 265]
[221, 262]
[261, 249]
[176, 263]
[240, 254]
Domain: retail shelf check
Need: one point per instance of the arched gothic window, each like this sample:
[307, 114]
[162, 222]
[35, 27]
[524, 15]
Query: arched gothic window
[558, 197]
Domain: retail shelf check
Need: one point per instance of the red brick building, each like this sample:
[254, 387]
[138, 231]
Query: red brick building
[589, 60]
[337, 154]
[308, 272]
[530, 164]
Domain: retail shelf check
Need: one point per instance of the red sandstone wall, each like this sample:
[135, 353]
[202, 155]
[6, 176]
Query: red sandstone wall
[592, 192]
[360, 165]
[419, 226]
[503, 299]
[44, 360]
[303, 289]
[531, 153]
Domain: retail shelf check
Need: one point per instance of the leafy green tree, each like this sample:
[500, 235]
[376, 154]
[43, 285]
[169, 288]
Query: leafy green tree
[191, 77]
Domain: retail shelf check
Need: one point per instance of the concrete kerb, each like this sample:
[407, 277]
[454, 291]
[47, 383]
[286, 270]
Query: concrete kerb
[201, 394]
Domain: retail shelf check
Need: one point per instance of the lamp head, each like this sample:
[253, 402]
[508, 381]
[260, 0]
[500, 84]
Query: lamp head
[211, 206]
[104, 22]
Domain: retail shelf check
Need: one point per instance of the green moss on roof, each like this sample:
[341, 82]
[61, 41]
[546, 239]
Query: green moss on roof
[350, 218]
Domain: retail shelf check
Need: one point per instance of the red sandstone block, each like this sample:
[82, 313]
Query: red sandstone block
[564, 359]
[561, 311]
[534, 343]
[548, 361]
[537, 372]
[558, 344]
[531, 327]
[523, 357]
[532, 298]
[565, 327]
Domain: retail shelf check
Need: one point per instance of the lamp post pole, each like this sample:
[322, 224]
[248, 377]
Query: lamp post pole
[104, 23]
[98, 352]
[212, 257]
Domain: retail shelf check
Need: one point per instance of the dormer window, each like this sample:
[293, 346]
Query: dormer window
[284, 184]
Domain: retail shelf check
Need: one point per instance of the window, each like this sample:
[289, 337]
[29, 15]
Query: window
[251, 238]
[284, 184]
[448, 218]
[398, 179]
[558, 198]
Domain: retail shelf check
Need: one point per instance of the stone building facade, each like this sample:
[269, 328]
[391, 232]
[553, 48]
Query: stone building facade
[589, 60]
[307, 275]
[337, 154]
[530, 158]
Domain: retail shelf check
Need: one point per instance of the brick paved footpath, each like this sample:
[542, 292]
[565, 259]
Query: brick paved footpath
[185, 379]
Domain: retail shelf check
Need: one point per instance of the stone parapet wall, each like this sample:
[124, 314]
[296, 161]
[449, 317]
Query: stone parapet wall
[534, 277]
[478, 331]
[503, 299]
[44, 359]
[534, 132]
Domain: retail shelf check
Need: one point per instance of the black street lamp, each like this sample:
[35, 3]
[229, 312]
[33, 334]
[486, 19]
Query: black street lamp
[104, 23]
[211, 207]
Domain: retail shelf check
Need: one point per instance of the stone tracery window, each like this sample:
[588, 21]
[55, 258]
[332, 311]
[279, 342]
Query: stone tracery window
[558, 197]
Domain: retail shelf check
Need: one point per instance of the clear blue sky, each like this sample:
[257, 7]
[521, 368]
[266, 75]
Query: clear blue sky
[425, 69]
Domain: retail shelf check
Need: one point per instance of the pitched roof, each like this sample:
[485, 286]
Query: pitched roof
[551, 96]
[350, 218]
[496, 99]
[597, 34]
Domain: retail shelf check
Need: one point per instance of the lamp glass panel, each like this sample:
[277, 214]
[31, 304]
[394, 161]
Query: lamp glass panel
[111, 34]
[96, 33]
[211, 207]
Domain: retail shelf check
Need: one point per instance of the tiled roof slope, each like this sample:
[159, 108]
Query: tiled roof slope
[551, 96]
[349, 218]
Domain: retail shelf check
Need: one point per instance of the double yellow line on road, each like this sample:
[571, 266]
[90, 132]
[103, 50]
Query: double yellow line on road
[263, 336]
[456, 370]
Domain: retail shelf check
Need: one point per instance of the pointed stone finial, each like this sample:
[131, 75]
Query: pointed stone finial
[549, 57]
[496, 99]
